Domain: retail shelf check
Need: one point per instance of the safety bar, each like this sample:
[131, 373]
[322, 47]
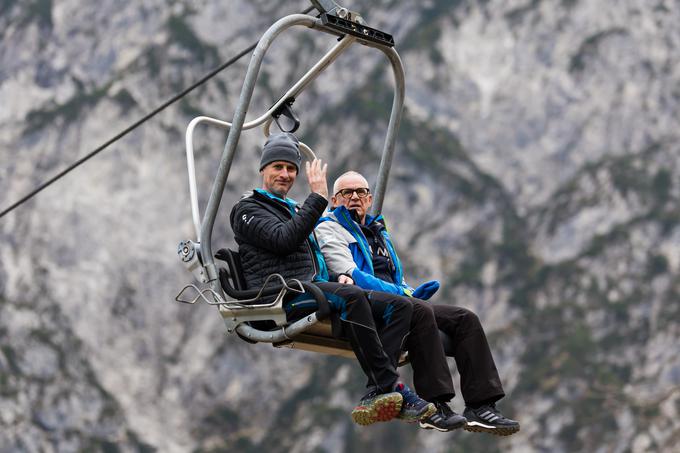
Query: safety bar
[244, 298]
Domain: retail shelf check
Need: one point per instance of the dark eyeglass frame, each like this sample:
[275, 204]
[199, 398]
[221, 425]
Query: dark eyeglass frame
[347, 193]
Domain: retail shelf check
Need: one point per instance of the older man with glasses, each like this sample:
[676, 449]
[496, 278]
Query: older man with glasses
[357, 244]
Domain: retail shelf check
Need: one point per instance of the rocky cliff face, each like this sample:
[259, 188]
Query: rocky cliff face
[536, 176]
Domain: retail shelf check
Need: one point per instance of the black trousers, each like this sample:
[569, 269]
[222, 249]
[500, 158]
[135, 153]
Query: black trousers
[375, 332]
[479, 380]
[431, 375]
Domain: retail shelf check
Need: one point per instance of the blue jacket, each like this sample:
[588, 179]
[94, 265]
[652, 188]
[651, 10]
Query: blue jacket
[346, 250]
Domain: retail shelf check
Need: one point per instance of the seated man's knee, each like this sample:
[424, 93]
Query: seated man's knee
[422, 311]
[403, 305]
[407, 307]
[351, 295]
[401, 309]
[471, 318]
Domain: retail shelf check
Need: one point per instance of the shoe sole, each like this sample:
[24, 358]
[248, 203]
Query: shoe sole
[426, 425]
[477, 427]
[383, 409]
[429, 410]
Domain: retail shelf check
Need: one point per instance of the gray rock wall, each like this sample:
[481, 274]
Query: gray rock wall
[536, 177]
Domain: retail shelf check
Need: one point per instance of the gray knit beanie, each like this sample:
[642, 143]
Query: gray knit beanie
[282, 146]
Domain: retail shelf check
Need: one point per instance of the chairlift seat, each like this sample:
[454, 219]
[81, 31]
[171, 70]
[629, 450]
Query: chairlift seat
[318, 338]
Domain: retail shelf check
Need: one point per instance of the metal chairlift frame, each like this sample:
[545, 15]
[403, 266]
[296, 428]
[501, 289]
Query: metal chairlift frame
[198, 255]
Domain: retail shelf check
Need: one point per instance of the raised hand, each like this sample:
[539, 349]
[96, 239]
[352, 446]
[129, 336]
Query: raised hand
[316, 176]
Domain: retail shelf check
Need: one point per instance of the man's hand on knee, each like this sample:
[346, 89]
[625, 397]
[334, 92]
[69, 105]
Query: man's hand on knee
[345, 279]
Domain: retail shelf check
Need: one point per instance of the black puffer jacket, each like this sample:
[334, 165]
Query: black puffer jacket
[272, 240]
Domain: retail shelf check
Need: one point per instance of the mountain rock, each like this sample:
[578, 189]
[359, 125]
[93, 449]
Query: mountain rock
[535, 176]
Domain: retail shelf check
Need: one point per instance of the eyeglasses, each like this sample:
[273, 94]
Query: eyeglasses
[362, 192]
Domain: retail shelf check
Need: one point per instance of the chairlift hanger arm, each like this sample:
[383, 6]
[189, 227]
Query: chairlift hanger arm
[286, 110]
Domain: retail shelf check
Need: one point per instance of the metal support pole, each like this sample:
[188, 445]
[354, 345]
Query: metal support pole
[392, 128]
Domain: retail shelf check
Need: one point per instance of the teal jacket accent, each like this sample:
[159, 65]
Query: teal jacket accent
[345, 249]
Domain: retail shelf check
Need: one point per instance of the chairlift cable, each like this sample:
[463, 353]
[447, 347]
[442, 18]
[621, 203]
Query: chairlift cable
[132, 127]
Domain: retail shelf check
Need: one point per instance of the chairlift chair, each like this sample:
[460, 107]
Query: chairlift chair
[223, 285]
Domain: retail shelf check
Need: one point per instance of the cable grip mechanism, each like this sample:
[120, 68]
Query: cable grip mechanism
[285, 109]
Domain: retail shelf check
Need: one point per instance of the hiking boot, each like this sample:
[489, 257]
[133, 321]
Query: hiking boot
[443, 420]
[487, 419]
[413, 408]
[377, 407]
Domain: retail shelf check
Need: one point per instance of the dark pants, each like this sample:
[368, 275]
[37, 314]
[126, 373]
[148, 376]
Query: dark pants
[431, 375]
[479, 380]
[376, 334]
